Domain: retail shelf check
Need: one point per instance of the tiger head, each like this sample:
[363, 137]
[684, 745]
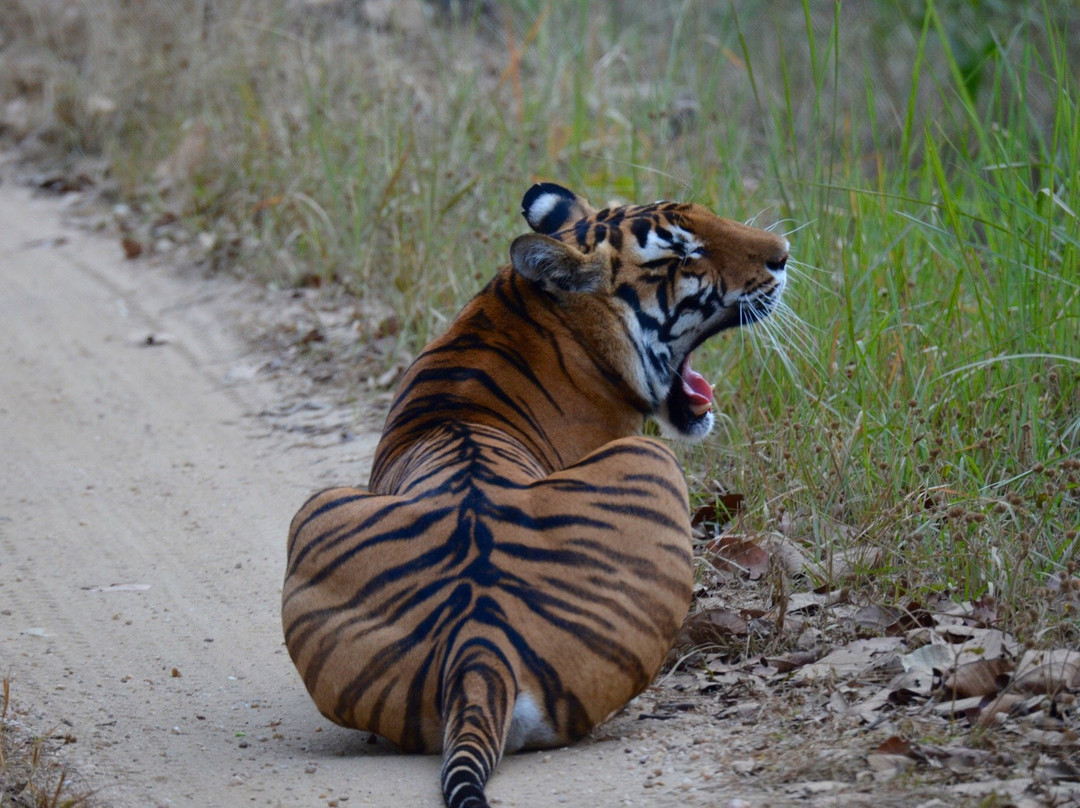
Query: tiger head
[648, 284]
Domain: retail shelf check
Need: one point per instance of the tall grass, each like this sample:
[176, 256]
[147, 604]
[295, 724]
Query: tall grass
[933, 415]
[918, 408]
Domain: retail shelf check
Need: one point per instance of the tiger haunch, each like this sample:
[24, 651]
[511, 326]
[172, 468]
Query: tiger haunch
[520, 563]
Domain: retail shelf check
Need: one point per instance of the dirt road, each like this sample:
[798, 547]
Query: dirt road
[143, 513]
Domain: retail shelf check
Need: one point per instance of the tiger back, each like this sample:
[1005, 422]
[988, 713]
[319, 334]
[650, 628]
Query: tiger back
[520, 562]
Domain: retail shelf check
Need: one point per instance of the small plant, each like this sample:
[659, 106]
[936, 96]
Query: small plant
[27, 778]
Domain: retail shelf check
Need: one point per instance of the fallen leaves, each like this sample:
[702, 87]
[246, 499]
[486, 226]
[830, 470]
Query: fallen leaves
[880, 666]
[948, 668]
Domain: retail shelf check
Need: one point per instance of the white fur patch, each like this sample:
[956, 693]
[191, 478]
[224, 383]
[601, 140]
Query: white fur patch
[688, 285]
[657, 248]
[688, 321]
[639, 375]
[687, 239]
[542, 206]
[528, 726]
[732, 298]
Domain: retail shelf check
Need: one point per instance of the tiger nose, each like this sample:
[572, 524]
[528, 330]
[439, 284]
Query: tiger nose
[776, 264]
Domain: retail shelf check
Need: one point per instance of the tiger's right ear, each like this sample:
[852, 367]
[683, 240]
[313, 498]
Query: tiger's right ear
[549, 208]
[558, 267]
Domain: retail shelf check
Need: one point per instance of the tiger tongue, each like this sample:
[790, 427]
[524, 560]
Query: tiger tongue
[697, 390]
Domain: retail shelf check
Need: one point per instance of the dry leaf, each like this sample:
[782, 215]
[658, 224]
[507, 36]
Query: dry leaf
[792, 661]
[1002, 705]
[1048, 671]
[933, 656]
[805, 603]
[739, 555]
[793, 559]
[728, 506]
[894, 745]
[867, 709]
[957, 757]
[1045, 737]
[911, 684]
[877, 617]
[703, 514]
[710, 625]
[893, 619]
[849, 661]
[721, 510]
[841, 565]
[314, 335]
[985, 643]
[984, 677]
[985, 611]
[889, 764]
[958, 706]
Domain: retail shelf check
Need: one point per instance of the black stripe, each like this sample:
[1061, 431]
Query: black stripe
[641, 227]
[295, 529]
[340, 533]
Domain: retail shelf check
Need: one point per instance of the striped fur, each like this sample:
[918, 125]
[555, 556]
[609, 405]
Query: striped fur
[520, 563]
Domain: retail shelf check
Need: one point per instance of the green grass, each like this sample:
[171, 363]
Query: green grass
[934, 411]
[920, 401]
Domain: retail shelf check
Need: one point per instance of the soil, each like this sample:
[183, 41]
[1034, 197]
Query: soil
[158, 432]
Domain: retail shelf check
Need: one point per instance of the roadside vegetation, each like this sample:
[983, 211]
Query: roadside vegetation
[31, 776]
[912, 422]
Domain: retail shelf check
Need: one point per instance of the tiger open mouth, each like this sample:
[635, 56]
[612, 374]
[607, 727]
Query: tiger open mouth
[691, 397]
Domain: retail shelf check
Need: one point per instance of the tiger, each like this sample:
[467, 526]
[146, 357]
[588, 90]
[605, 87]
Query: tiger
[520, 563]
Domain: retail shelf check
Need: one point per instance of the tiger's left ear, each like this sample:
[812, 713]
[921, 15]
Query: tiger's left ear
[558, 267]
[549, 208]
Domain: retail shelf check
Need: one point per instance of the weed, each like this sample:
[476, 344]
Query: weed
[28, 778]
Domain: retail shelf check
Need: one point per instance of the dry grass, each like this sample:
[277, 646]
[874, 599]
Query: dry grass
[31, 776]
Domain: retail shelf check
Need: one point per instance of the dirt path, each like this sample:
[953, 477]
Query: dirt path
[143, 511]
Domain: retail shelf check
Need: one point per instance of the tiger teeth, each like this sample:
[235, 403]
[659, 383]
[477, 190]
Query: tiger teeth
[700, 409]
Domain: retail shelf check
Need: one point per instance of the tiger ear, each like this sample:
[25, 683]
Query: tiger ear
[557, 267]
[548, 208]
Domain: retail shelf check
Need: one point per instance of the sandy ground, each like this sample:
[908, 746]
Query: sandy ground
[144, 504]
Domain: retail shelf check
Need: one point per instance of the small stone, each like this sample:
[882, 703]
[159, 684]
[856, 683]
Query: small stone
[743, 766]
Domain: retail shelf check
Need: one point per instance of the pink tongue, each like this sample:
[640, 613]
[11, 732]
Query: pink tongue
[698, 391]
